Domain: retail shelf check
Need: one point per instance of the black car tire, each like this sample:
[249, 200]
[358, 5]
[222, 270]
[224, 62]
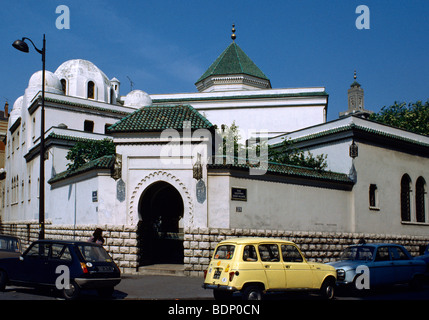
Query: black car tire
[72, 293]
[3, 280]
[328, 289]
[252, 293]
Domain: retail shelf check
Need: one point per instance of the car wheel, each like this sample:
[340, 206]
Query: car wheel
[252, 293]
[328, 289]
[72, 292]
[3, 280]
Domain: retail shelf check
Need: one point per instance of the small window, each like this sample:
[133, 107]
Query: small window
[88, 126]
[64, 86]
[291, 254]
[405, 198]
[420, 200]
[225, 252]
[249, 253]
[382, 254]
[373, 196]
[398, 253]
[91, 90]
[269, 252]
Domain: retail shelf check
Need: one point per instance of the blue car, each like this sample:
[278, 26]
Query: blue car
[365, 266]
[68, 266]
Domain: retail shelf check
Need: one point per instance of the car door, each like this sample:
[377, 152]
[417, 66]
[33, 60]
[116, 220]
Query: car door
[273, 266]
[59, 255]
[381, 269]
[403, 265]
[31, 265]
[298, 272]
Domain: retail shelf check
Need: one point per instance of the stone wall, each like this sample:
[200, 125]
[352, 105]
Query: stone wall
[199, 243]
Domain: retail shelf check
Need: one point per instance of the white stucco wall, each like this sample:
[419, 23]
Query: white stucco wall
[277, 206]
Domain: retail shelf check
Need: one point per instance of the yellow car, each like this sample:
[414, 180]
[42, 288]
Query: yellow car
[254, 266]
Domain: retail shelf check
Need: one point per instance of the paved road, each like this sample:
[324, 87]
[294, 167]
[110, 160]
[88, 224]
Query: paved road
[151, 287]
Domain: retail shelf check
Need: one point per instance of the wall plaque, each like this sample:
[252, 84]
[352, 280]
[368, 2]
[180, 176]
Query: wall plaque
[239, 194]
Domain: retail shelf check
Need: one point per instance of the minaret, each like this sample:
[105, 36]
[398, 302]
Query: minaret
[356, 105]
[355, 96]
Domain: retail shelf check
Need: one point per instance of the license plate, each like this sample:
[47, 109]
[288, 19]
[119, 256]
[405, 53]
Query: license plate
[217, 274]
[104, 269]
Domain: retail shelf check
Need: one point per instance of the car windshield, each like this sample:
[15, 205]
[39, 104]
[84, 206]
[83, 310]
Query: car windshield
[224, 252]
[93, 253]
[364, 253]
[9, 244]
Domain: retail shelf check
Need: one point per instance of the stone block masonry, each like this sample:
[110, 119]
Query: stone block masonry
[199, 243]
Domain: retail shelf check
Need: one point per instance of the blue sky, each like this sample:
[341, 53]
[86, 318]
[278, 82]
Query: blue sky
[164, 46]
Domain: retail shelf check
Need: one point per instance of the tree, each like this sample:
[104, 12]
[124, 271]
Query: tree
[287, 153]
[84, 151]
[413, 117]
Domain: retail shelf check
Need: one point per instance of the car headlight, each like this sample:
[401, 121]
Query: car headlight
[341, 274]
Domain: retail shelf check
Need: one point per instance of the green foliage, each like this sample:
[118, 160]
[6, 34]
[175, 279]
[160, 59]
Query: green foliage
[413, 117]
[84, 151]
[285, 154]
[288, 154]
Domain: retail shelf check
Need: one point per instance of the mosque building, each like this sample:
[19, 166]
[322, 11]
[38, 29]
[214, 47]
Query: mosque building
[163, 198]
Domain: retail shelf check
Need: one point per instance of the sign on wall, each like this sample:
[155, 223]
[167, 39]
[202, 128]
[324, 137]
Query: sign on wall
[239, 194]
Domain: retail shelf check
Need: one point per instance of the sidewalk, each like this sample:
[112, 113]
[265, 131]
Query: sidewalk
[161, 287]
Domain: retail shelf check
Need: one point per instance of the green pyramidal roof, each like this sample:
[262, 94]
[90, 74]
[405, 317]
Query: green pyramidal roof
[233, 60]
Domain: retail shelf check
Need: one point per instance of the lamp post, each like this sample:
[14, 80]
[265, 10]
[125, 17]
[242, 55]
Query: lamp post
[21, 45]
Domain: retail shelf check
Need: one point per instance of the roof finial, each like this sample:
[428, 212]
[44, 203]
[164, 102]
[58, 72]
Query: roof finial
[233, 32]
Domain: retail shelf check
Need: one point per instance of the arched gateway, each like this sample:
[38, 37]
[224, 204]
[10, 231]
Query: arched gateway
[160, 226]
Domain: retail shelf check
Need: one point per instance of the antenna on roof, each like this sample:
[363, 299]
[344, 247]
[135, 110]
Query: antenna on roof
[131, 83]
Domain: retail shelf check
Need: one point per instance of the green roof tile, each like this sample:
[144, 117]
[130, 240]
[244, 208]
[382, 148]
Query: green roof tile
[158, 118]
[233, 60]
[104, 162]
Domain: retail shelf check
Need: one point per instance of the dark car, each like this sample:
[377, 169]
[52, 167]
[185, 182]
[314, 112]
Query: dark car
[68, 266]
[10, 246]
[385, 263]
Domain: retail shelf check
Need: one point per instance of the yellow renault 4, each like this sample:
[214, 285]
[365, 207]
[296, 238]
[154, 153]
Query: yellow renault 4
[254, 266]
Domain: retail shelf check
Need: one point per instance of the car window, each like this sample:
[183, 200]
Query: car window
[290, 253]
[249, 253]
[269, 252]
[382, 254]
[398, 253]
[8, 244]
[225, 252]
[364, 253]
[93, 253]
[38, 250]
[60, 252]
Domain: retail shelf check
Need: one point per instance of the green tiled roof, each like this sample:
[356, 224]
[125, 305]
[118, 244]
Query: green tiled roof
[283, 169]
[233, 60]
[158, 118]
[104, 162]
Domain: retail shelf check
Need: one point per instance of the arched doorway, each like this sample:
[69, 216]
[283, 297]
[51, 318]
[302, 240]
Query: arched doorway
[160, 233]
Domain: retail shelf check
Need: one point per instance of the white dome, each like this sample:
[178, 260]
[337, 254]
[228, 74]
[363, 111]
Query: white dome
[78, 73]
[137, 99]
[52, 83]
[16, 110]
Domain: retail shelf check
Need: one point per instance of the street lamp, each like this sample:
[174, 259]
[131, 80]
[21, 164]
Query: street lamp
[21, 45]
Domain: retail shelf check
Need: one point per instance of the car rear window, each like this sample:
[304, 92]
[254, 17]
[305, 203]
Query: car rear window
[93, 253]
[9, 244]
[224, 252]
